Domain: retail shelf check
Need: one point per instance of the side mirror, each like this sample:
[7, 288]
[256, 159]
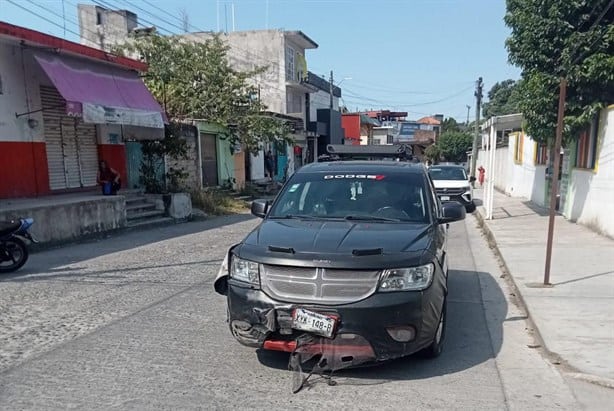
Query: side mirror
[472, 179]
[260, 208]
[452, 211]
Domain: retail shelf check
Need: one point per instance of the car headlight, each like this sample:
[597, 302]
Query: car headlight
[407, 279]
[244, 270]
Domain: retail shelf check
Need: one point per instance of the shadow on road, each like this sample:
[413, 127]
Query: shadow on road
[470, 340]
[46, 261]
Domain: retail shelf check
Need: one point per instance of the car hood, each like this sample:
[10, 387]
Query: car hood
[451, 183]
[337, 243]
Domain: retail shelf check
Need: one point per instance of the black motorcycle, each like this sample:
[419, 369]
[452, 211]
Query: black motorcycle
[13, 250]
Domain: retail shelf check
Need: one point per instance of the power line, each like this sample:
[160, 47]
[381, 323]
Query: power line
[110, 7]
[42, 17]
[151, 14]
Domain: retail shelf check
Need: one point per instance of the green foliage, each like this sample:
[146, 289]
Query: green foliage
[561, 38]
[173, 146]
[503, 98]
[449, 124]
[194, 80]
[453, 146]
[432, 153]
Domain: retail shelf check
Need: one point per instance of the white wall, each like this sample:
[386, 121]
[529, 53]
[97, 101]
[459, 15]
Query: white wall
[522, 180]
[319, 100]
[380, 136]
[502, 167]
[591, 192]
[526, 179]
[20, 93]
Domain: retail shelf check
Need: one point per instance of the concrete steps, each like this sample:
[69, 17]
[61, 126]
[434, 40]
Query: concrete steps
[140, 212]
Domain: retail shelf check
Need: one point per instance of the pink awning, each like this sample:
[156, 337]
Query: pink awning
[102, 93]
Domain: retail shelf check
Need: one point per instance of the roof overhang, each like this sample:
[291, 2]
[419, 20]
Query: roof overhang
[301, 39]
[510, 121]
[37, 39]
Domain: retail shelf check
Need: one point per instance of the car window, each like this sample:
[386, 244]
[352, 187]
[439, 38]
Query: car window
[447, 173]
[398, 196]
[435, 204]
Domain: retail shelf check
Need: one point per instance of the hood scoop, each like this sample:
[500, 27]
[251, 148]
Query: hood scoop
[287, 250]
[367, 251]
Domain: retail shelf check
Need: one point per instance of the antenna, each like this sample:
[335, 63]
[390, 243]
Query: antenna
[266, 24]
[226, 17]
[233, 17]
[217, 11]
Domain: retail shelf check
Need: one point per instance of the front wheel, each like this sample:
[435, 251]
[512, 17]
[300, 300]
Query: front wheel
[435, 349]
[13, 255]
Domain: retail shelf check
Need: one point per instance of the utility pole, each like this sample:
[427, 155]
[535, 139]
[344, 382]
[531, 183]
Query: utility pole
[555, 176]
[331, 89]
[478, 105]
[468, 108]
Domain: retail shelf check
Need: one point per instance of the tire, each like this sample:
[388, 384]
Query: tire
[435, 349]
[12, 244]
[470, 208]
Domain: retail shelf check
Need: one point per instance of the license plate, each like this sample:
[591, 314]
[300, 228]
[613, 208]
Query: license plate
[313, 322]
[444, 198]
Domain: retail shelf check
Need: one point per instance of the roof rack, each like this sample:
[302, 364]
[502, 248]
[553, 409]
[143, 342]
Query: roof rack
[337, 152]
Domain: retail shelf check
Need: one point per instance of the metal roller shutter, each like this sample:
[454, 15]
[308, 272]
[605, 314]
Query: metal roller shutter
[72, 151]
[52, 119]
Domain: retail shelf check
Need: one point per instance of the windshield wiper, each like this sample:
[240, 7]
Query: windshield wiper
[296, 216]
[369, 218]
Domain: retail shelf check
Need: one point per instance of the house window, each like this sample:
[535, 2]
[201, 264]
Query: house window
[98, 18]
[518, 147]
[586, 147]
[294, 103]
[541, 154]
[290, 63]
[390, 139]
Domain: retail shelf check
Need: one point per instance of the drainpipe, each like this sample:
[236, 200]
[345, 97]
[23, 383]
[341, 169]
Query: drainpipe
[200, 159]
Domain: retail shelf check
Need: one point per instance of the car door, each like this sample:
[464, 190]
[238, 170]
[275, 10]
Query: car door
[441, 230]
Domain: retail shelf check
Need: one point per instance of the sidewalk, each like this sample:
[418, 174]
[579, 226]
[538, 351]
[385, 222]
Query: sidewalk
[574, 317]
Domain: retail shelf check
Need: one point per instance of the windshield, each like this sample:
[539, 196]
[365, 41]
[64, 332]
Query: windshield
[395, 197]
[447, 173]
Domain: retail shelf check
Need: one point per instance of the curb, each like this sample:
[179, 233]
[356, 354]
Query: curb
[554, 358]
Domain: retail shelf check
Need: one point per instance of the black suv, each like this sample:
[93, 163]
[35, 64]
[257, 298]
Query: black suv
[351, 257]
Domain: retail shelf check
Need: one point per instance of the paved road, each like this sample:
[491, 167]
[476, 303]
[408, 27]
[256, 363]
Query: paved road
[132, 322]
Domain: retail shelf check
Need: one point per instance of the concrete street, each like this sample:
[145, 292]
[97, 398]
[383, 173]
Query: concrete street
[132, 322]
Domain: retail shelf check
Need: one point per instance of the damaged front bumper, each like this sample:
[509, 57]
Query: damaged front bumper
[362, 333]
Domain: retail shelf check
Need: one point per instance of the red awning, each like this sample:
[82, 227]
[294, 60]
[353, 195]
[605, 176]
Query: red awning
[100, 93]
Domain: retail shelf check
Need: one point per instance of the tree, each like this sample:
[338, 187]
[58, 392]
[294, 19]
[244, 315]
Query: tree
[449, 124]
[503, 98]
[572, 38]
[194, 80]
[453, 145]
[432, 153]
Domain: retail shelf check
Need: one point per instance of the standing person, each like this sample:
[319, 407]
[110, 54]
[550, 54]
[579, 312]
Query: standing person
[482, 172]
[269, 164]
[108, 178]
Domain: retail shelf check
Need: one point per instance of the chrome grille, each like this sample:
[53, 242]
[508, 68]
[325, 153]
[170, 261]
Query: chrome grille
[450, 191]
[318, 285]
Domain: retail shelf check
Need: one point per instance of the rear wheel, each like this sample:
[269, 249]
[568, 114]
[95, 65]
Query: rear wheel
[13, 255]
[435, 349]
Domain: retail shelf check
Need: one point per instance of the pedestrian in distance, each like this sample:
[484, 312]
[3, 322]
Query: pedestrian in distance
[108, 179]
[482, 172]
[269, 164]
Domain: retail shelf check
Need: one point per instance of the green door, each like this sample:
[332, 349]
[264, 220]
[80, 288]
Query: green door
[134, 155]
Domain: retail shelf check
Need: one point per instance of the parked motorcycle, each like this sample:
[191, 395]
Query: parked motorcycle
[13, 250]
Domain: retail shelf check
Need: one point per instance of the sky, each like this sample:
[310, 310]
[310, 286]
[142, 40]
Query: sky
[419, 56]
